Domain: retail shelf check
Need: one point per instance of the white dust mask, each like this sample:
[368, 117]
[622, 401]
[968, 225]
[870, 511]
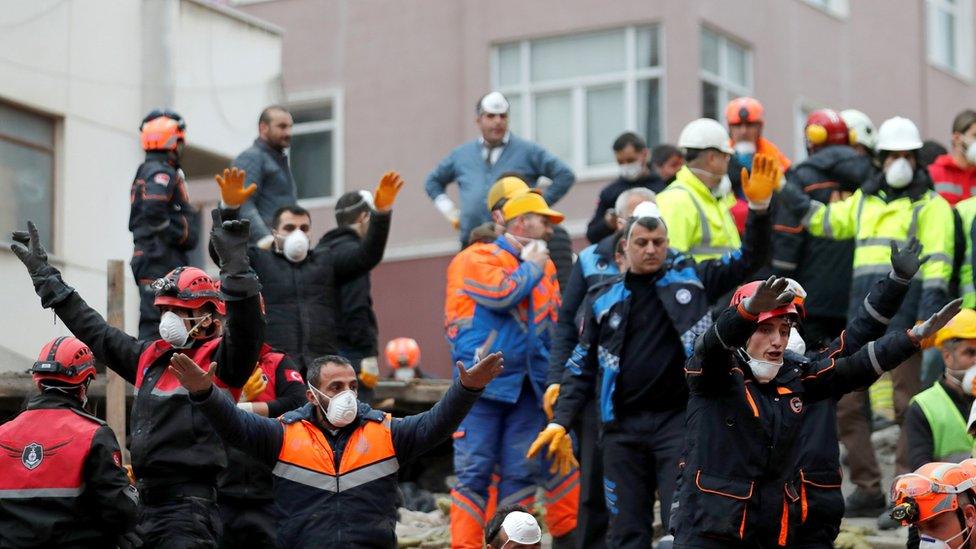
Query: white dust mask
[173, 330]
[295, 246]
[899, 174]
[342, 407]
[632, 171]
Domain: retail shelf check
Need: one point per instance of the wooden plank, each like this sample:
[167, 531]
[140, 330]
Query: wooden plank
[115, 385]
[417, 391]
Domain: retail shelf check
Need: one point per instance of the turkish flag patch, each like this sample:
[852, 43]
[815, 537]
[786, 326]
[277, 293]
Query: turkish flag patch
[117, 458]
[161, 178]
[292, 375]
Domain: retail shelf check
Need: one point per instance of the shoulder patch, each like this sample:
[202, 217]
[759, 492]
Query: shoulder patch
[292, 375]
[162, 178]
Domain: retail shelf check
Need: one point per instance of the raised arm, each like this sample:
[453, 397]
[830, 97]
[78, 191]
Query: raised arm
[358, 260]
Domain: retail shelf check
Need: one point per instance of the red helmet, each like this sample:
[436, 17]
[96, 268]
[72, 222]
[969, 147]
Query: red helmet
[162, 130]
[744, 110]
[66, 360]
[826, 127]
[189, 288]
[749, 290]
[403, 352]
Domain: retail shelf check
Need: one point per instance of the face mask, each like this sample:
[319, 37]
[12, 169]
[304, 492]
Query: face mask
[899, 174]
[723, 188]
[763, 370]
[928, 542]
[404, 374]
[295, 247]
[971, 153]
[967, 381]
[744, 152]
[532, 245]
[342, 407]
[173, 330]
[796, 343]
[632, 171]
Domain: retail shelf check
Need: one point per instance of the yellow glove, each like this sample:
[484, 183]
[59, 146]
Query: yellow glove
[765, 179]
[386, 192]
[369, 372]
[549, 400]
[560, 450]
[232, 191]
[255, 386]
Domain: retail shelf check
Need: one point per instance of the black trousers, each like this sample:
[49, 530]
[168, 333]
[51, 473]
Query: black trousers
[640, 458]
[592, 518]
[182, 523]
[247, 523]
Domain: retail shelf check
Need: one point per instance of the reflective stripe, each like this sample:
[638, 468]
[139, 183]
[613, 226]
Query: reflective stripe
[968, 288]
[880, 241]
[864, 270]
[305, 476]
[874, 313]
[874, 359]
[940, 257]
[701, 250]
[936, 283]
[857, 216]
[913, 226]
[463, 505]
[369, 473]
[780, 264]
[948, 187]
[570, 486]
[828, 231]
[25, 493]
[814, 208]
[518, 496]
[706, 230]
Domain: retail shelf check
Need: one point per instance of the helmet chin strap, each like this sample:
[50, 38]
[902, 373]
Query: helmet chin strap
[196, 327]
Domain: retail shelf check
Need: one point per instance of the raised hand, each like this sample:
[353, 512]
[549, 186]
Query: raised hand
[386, 192]
[229, 239]
[232, 190]
[29, 249]
[905, 262]
[937, 321]
[771, 294]
[765, 179]
[191, 376]
[480, 375]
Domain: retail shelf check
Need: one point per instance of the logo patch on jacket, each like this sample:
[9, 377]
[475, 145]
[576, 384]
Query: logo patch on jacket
[161, 178]
[32, 456]
[292, 375]
[601, 265]
[614, 321]
[796, 405]
[683, 296]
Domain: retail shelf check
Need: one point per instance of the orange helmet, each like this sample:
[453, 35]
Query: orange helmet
[162, 130]
[65, 360]
[188, 288]
[748, 290]
[744, 110]
[931, 490]
[403, 352]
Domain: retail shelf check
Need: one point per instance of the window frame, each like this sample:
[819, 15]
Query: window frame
[320, 98]
[53, 151]
[837, 8]
[577, 86]
[962, 13]
[726, 87]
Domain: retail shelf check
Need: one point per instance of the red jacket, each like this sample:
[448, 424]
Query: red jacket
[951, 181]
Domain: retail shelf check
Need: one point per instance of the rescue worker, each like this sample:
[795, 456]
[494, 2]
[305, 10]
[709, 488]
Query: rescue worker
[513, 527]
[896, 204]
[746, 118]
[696, 206]
[335, 459]
[965, 211]
[939, 499]
[62, 483]
[403, 356]
[163, 223]
[477, 164]
[831, 172]
[356, 326]
[504, 295]
[299, 281]
[666, 160]
[862, 133]
[175, 456]
[267, 163]
[594, 265]
[954, 173]
[632, 157]
[818, 462]
[244, 489]
[748, 398]
[935, 422]
[638, 331]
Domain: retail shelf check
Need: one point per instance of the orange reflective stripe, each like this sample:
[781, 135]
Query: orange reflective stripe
[752, 403]
[803, 501]
[784, 524]
[783, 391]
[742, 525]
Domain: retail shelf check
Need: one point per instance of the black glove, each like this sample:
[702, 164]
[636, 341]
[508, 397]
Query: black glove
[229, 240]
[47, 280]
[906, 261]
[794, 200]
[771, 294]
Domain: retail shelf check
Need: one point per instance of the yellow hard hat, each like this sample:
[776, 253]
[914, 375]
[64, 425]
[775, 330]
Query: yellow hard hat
[962, 326]
[527, 203]
[506, 187]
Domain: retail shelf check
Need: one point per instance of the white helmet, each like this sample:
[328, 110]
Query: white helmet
[861, 128]
[705, 133]
[898, 134]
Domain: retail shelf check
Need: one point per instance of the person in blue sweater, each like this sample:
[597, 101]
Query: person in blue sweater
[477, 164]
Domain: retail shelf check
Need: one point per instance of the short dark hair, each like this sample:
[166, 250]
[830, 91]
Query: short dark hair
[349, 207]
[931, 149]
[494, 527]
[649, 223]
[314, 374]
[629, 139]
[662, 153]
[963, 121]
[292, 209]
[265, 117]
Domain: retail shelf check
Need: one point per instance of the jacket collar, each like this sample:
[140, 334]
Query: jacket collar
[49, 400]
[690, 181]
[263, 145]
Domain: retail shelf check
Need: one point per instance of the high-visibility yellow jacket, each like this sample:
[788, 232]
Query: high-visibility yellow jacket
[967, 212]
[698, 223]
[873, 219]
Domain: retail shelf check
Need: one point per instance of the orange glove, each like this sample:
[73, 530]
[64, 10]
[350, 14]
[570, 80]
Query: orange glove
[560, 450]
[549, 400]
[255, 385]
[130, 474]
[386, 191]
[232, 190]
[765, 179]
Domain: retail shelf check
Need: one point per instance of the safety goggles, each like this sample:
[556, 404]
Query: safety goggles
[918, 498]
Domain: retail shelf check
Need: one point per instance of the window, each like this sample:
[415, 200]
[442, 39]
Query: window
[838, 8]
[726, 72]
[950, 34]
[575, 94]
[26, 171]
[314, 150]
